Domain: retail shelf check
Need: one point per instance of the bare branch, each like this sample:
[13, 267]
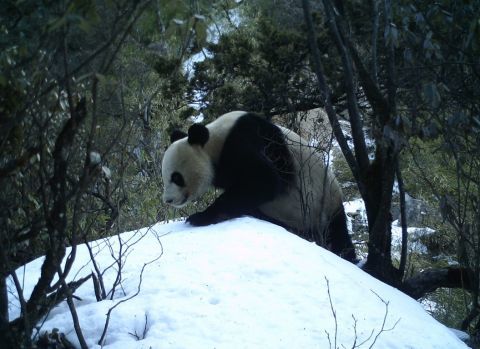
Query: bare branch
[326, 93]
[382, 328]
[334, 313]
[97, 276]
[107, 321]
[391, 84]
[23, 303]
[73, 311]
[143, 335]
[338, 35]
[375, 17]
[50, 302]
[375, 98]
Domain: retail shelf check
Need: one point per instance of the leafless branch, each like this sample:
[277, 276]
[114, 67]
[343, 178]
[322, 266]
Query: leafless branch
[390, 45]
[356, 345]
[382, 328]
[356, 123]
[107, 321]
[143, 335]
[334, 314]
[73, 311]
[326, 93]
[375, 16]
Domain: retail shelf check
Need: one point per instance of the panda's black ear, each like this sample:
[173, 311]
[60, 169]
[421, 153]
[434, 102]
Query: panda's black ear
[198, 134]
[176, 135]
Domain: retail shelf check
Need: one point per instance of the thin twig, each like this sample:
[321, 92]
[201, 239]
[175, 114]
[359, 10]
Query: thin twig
[382, 328]
[73, 311]
[334, 313]
[107, 321]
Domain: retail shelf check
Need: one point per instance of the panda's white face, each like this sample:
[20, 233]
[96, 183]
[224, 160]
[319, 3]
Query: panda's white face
[187, 173]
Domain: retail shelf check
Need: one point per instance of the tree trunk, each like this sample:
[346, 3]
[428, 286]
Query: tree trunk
[430, 280]
[378, 201]
[15, 336]
[3, 309]
[375, 180]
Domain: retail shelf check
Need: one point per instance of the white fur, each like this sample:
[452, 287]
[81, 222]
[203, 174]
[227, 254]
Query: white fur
[219, 130]
[314, 196]
[194, 162]
[301, 208]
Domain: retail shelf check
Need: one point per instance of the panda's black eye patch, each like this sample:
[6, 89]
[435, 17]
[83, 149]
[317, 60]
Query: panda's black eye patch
[177, 178]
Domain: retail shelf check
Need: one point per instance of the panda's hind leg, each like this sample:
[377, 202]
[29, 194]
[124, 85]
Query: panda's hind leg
[339, 240]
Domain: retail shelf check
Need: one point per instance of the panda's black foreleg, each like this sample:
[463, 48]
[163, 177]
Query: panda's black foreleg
[202, 218]
[243, 198]
[214, 213]
[231, 204]
[249, 179]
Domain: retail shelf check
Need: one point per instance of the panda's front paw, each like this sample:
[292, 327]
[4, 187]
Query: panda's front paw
[207, 217]
[200, 219]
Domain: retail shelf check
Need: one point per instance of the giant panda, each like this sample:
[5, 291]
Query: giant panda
[265, 171]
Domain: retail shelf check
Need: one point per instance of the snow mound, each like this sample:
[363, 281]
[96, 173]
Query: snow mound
[243, 283]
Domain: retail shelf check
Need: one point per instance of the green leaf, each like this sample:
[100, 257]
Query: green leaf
[173, 8]
[391, 35]
[431, 94]
[101, 78]
[231, 4]
[56, 23]
[85, 25]
[201, 33]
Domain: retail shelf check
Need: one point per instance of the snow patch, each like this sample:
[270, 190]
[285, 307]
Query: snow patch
[244, 283]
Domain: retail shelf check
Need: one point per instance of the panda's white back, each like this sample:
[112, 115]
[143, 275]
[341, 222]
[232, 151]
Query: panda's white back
[306, 207]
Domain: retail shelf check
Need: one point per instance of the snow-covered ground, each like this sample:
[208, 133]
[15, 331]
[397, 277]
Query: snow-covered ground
[243, 283]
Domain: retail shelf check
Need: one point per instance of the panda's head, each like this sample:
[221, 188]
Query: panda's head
[187, 169]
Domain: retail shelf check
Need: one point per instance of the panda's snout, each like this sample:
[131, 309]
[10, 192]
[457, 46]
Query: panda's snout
[172, 200]
[167, 200]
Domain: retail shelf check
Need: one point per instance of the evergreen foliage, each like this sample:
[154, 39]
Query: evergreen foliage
[89, 91]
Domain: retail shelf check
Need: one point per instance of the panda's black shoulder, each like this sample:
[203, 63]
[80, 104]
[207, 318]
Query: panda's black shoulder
[253, 126]
[253, 135]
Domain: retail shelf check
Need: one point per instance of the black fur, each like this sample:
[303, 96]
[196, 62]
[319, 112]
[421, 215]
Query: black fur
[255, 166]
[338, 239]
[198, 134]
[176, 135]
